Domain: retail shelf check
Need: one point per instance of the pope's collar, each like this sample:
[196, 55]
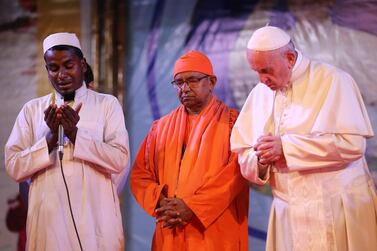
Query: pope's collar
[299, 67]
[78, 93]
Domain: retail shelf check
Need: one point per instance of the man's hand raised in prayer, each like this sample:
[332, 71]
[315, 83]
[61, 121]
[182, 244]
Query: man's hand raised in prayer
[69, 119]
[52, 121]
[64, 115]
[173, 212]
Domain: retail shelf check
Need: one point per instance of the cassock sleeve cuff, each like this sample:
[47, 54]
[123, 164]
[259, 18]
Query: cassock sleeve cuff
[261, 180]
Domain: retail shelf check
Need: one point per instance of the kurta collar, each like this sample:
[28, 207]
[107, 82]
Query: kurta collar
[81, 91]
[78, 93]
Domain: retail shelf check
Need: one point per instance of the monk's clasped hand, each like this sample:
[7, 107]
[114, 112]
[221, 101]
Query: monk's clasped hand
[173, 213]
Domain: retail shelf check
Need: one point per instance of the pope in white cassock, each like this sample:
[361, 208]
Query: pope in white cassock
[303, 129]
[95, 161]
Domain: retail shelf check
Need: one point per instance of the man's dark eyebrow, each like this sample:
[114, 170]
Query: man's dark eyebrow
[264, 70]
[69, 60]
[50, 64]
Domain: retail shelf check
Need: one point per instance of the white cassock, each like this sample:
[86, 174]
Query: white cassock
[92, 168]
[324, 197]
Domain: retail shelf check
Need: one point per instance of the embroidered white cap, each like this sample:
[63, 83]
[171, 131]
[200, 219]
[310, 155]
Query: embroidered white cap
[268, 38]
[61, 38]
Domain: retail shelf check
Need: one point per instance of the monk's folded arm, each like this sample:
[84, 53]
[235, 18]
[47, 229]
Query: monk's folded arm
[144, 184]
[213, 197]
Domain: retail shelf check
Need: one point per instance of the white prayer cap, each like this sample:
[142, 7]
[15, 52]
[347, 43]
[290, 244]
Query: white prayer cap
[61, 38]
[268, 38]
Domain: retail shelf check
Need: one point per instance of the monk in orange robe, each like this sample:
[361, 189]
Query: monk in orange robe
[185, 174]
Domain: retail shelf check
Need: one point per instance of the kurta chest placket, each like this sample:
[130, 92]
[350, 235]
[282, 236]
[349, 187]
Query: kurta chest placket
[68, 146]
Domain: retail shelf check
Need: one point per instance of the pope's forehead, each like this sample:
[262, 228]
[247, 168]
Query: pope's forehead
[261, 55]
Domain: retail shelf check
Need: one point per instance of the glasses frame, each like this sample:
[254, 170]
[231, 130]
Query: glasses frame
[188, 83]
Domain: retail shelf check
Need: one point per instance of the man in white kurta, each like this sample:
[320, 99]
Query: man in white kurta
[303, 129]
[100, 153]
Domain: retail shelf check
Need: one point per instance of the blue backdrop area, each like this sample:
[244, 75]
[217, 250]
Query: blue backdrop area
[159, 31]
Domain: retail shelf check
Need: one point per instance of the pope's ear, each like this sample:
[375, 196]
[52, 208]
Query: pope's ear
[291, 57]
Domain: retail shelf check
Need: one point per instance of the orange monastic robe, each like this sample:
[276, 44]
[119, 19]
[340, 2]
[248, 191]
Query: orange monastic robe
[206, 176]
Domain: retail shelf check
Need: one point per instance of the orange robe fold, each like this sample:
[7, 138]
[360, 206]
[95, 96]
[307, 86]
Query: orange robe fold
[205, 175]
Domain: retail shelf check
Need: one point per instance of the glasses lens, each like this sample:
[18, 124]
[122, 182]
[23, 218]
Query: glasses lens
[191, 82]
[177, 82]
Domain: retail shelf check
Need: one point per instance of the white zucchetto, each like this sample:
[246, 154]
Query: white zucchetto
[268, 38]
[61, 38]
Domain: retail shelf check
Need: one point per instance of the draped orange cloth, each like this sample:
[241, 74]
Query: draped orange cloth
[206, 176]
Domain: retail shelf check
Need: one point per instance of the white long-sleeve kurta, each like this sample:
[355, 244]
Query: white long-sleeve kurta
[91, 166]
[324, 198]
